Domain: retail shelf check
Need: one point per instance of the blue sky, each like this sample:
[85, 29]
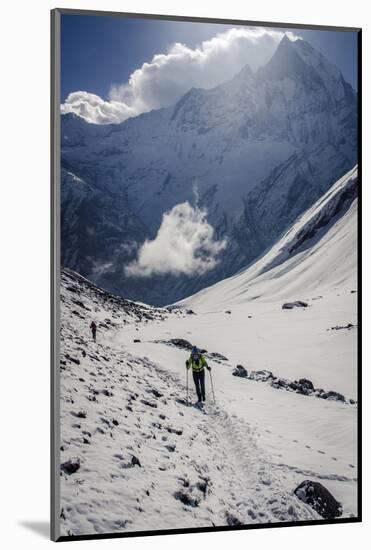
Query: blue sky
[98, 52]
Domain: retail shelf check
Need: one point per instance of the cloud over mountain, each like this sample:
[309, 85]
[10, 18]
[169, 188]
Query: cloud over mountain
[184, 244]
[163, 80]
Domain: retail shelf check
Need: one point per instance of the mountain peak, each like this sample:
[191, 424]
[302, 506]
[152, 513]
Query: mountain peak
[289, 61]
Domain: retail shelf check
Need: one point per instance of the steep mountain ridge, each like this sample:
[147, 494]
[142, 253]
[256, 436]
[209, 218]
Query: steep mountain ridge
[317, 254]
[254, 152]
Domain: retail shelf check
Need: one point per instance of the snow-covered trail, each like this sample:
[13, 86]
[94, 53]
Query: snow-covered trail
[133, 455]
[299, 436]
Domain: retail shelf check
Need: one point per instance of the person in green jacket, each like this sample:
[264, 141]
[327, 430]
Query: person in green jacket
[197, 363]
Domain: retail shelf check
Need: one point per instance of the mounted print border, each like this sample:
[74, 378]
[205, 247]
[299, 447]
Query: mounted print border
[183, 230]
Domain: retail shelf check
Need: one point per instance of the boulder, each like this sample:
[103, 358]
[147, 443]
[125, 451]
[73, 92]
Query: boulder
[181, 343]
[304, 382]
[280, 383]
[70, 466]
[333, 395]
[135, 461]
[319, 498]
[260, 375]
[292, 305]
[240, 371]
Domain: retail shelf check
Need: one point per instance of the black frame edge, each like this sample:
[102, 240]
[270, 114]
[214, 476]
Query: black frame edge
[54, 271]
[195, 19]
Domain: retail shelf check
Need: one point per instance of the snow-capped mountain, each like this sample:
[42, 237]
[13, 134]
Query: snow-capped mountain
[258, 151]
[318, 254]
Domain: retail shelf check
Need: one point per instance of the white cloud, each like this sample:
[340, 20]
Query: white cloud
[95, 109]
[184, 244]
[163, 80]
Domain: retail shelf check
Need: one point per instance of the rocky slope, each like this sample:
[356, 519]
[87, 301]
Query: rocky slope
[133, 456]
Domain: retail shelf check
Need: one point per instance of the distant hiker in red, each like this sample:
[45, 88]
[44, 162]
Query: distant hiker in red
[93, 328]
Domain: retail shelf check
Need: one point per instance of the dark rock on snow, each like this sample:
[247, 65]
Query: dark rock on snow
[292, 305]
[187, 499]
[240, 371]
[339, 327]
[333, 395]
[304, 382]
[70, 466]
[73, 359]
[135, 461]
[260, 375]
[232, 520]
[181, 343]
[218, 356]
[319, 498]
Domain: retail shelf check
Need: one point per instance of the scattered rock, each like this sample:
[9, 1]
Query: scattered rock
[174, 430]
[71, 466]
[240, 371]
[260, 375]
[306, 383]
[149, 403]
[73, 359]
[170, 448]
[136, 341]
[181, 343]
[232, 520]
[333, 395]
[228, 312]
[190, 312]
[292, 305]
[187, 499]
[202, 486]
[319, 498]
[218, 356]
[280, 383]
[339, 327]
[135, 461]
[79, 414]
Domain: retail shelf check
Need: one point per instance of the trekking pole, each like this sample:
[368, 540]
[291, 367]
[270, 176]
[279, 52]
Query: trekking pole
[187, 388]
[212, 385]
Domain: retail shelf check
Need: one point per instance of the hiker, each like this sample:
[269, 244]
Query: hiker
[93, 328]
[198, 363]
